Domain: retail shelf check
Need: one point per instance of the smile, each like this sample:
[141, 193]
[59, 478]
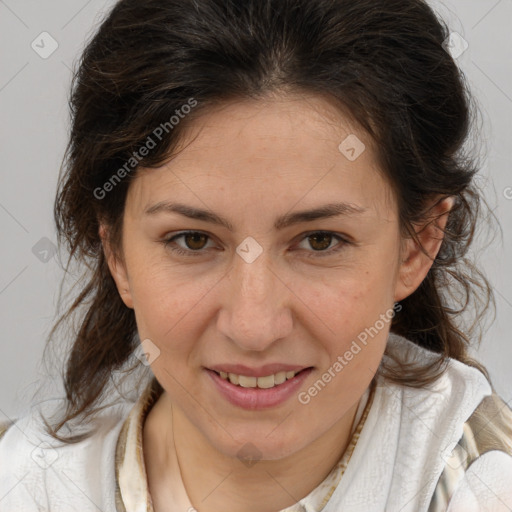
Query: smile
[265, 382]
[257, 393]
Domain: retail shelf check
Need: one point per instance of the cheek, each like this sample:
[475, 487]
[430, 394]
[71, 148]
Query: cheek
[359, 321]
[352, 302]
[355, 317]
[168, 302]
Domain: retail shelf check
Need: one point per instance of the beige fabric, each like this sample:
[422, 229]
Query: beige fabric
[489, 428]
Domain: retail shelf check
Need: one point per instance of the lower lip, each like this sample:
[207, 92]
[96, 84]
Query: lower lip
[255, 399]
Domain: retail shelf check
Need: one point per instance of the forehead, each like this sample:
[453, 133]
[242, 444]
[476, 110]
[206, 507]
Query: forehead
[298, 148]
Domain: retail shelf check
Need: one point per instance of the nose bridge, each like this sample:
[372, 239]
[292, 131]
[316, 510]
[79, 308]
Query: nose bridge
[254, 313]
[255, 279]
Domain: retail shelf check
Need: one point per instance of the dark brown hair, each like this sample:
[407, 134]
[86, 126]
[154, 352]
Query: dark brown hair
[382, 60]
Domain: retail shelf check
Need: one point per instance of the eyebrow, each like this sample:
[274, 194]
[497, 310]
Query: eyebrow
[289, 219]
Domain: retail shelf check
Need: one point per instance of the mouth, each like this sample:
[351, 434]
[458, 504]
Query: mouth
[258, 392]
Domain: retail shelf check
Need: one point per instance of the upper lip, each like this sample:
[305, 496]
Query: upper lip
[261, 371]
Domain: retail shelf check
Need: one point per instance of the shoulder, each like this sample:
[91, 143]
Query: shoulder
[466, 449]
[478, 472]
[38, 471]
[401, 452]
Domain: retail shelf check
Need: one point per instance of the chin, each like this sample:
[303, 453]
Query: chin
[257, 446]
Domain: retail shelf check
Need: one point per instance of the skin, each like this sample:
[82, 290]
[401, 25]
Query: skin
[252, 162]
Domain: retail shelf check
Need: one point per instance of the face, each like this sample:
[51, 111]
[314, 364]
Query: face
[255, 286]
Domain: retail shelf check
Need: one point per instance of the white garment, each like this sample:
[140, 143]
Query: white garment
[395, 466]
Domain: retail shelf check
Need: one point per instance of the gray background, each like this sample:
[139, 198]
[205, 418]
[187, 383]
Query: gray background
[33, 135]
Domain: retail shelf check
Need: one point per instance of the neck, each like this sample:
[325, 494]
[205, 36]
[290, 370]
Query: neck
[216, 482]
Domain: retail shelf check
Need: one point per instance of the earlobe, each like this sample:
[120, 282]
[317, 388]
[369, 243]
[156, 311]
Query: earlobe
[117, 268]
[415, 261]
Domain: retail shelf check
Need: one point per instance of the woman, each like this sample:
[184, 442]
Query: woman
[273, 201]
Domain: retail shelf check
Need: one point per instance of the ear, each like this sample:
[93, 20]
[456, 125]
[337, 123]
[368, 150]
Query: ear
[117, 267]
[415, 264]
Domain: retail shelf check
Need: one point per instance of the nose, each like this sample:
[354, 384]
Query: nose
[255, 309]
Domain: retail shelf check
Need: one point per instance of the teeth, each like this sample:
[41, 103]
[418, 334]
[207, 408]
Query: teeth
[247, 382]
[266, 382]
[280, 377]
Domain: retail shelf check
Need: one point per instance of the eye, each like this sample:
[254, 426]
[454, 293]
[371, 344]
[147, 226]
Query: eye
[319, 241]
[194, 242]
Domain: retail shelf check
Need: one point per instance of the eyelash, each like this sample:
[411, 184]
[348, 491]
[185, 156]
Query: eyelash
[315, 254]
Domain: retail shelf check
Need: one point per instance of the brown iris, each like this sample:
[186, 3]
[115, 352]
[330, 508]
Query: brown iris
[322, 239]
[194, 240]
